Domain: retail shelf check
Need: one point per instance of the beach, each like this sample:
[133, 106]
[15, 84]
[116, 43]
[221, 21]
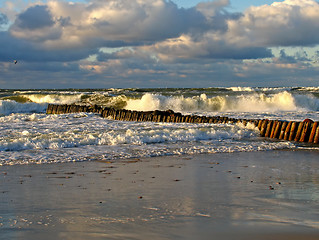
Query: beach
[82, 176]
[241, 195]
[159, 120]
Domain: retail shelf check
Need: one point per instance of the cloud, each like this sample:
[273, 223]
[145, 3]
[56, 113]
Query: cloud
[216, 14]
[246, 36]
[210, 30]
[36, 17]
[24, 50]
[103, 23]
[99, 23]
[154, 42]
[208, 46]
[63, 26]
[287, 23]
[3, 19]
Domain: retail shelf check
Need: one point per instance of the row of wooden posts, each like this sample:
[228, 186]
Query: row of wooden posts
[305, 131]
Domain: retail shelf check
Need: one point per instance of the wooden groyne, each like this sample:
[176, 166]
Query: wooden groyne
[306, 131]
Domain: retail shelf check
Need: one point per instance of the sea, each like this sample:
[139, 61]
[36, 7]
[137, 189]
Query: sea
[30, 136]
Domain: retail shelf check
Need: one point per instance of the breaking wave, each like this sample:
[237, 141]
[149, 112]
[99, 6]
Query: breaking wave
[255, 102]
[210, 100]
[9, 106]
[27, 135]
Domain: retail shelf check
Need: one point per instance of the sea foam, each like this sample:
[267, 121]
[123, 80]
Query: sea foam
[9, 106]
[81, 137]
[254, 102]
[53, 98]
[28, 135]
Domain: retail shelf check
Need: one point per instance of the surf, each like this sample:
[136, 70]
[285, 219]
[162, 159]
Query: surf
[252, 102]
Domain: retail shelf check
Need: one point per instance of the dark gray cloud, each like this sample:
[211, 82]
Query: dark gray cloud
[230, 52]
[103, 57]
[34, 18]
[286, 58]
[216, 15]
[3, 19]
[293, 58]
[203, 73]
[24, 50]
[64, 21]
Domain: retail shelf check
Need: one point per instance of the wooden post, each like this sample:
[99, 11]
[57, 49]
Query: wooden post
[287, 131]
[272, 132]
[263, 127]
[260, 122]
[49, 109]
[269, 127]
[277, 130]
[316, 138]
[313, 132]
[293, 129]
[299, 130]
[282, 130]
[306, 130]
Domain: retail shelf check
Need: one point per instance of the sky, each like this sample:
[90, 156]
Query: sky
[158, 43]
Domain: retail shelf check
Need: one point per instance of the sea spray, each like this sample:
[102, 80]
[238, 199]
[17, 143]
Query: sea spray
[28, 135]
[54, 98]
[81, 137]
[252, 102]
[9, 106]
[206, 101]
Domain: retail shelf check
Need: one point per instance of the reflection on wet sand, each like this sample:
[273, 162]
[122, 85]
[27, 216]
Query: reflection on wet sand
[240, 195]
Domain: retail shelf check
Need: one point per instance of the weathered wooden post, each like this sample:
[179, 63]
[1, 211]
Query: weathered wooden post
[306, 130]
[313, 132]
[293, 129]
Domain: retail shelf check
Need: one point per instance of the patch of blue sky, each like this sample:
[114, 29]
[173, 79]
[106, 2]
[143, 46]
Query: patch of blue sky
[234, 4]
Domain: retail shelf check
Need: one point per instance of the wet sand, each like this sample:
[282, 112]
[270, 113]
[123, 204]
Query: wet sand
[257, 195]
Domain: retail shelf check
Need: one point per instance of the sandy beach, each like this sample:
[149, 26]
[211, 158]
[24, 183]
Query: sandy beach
[250, 195]
[159, 120]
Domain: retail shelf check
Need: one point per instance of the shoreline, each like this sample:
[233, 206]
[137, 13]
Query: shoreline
[306, 131]
[242, 195]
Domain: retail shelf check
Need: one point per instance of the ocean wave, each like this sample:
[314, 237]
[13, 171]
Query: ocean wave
[114, 133]
[307, 89]
[45, 98]
[9, 106]
[81, 137]
[54, 98]
[241, 89]
[259, 89]
[105, 100]
[190, 100]
[255, 102]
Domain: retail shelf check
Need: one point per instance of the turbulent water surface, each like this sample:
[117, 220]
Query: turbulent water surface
[28, 135]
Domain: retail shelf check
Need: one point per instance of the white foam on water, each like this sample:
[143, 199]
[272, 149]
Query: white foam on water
[40, 138]
[57, 132]
[28, 135]
[254, 102]
[241, 89]
[54, 98]
[9, 106]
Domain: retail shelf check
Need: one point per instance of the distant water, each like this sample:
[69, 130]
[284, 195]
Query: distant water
[28, 135]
